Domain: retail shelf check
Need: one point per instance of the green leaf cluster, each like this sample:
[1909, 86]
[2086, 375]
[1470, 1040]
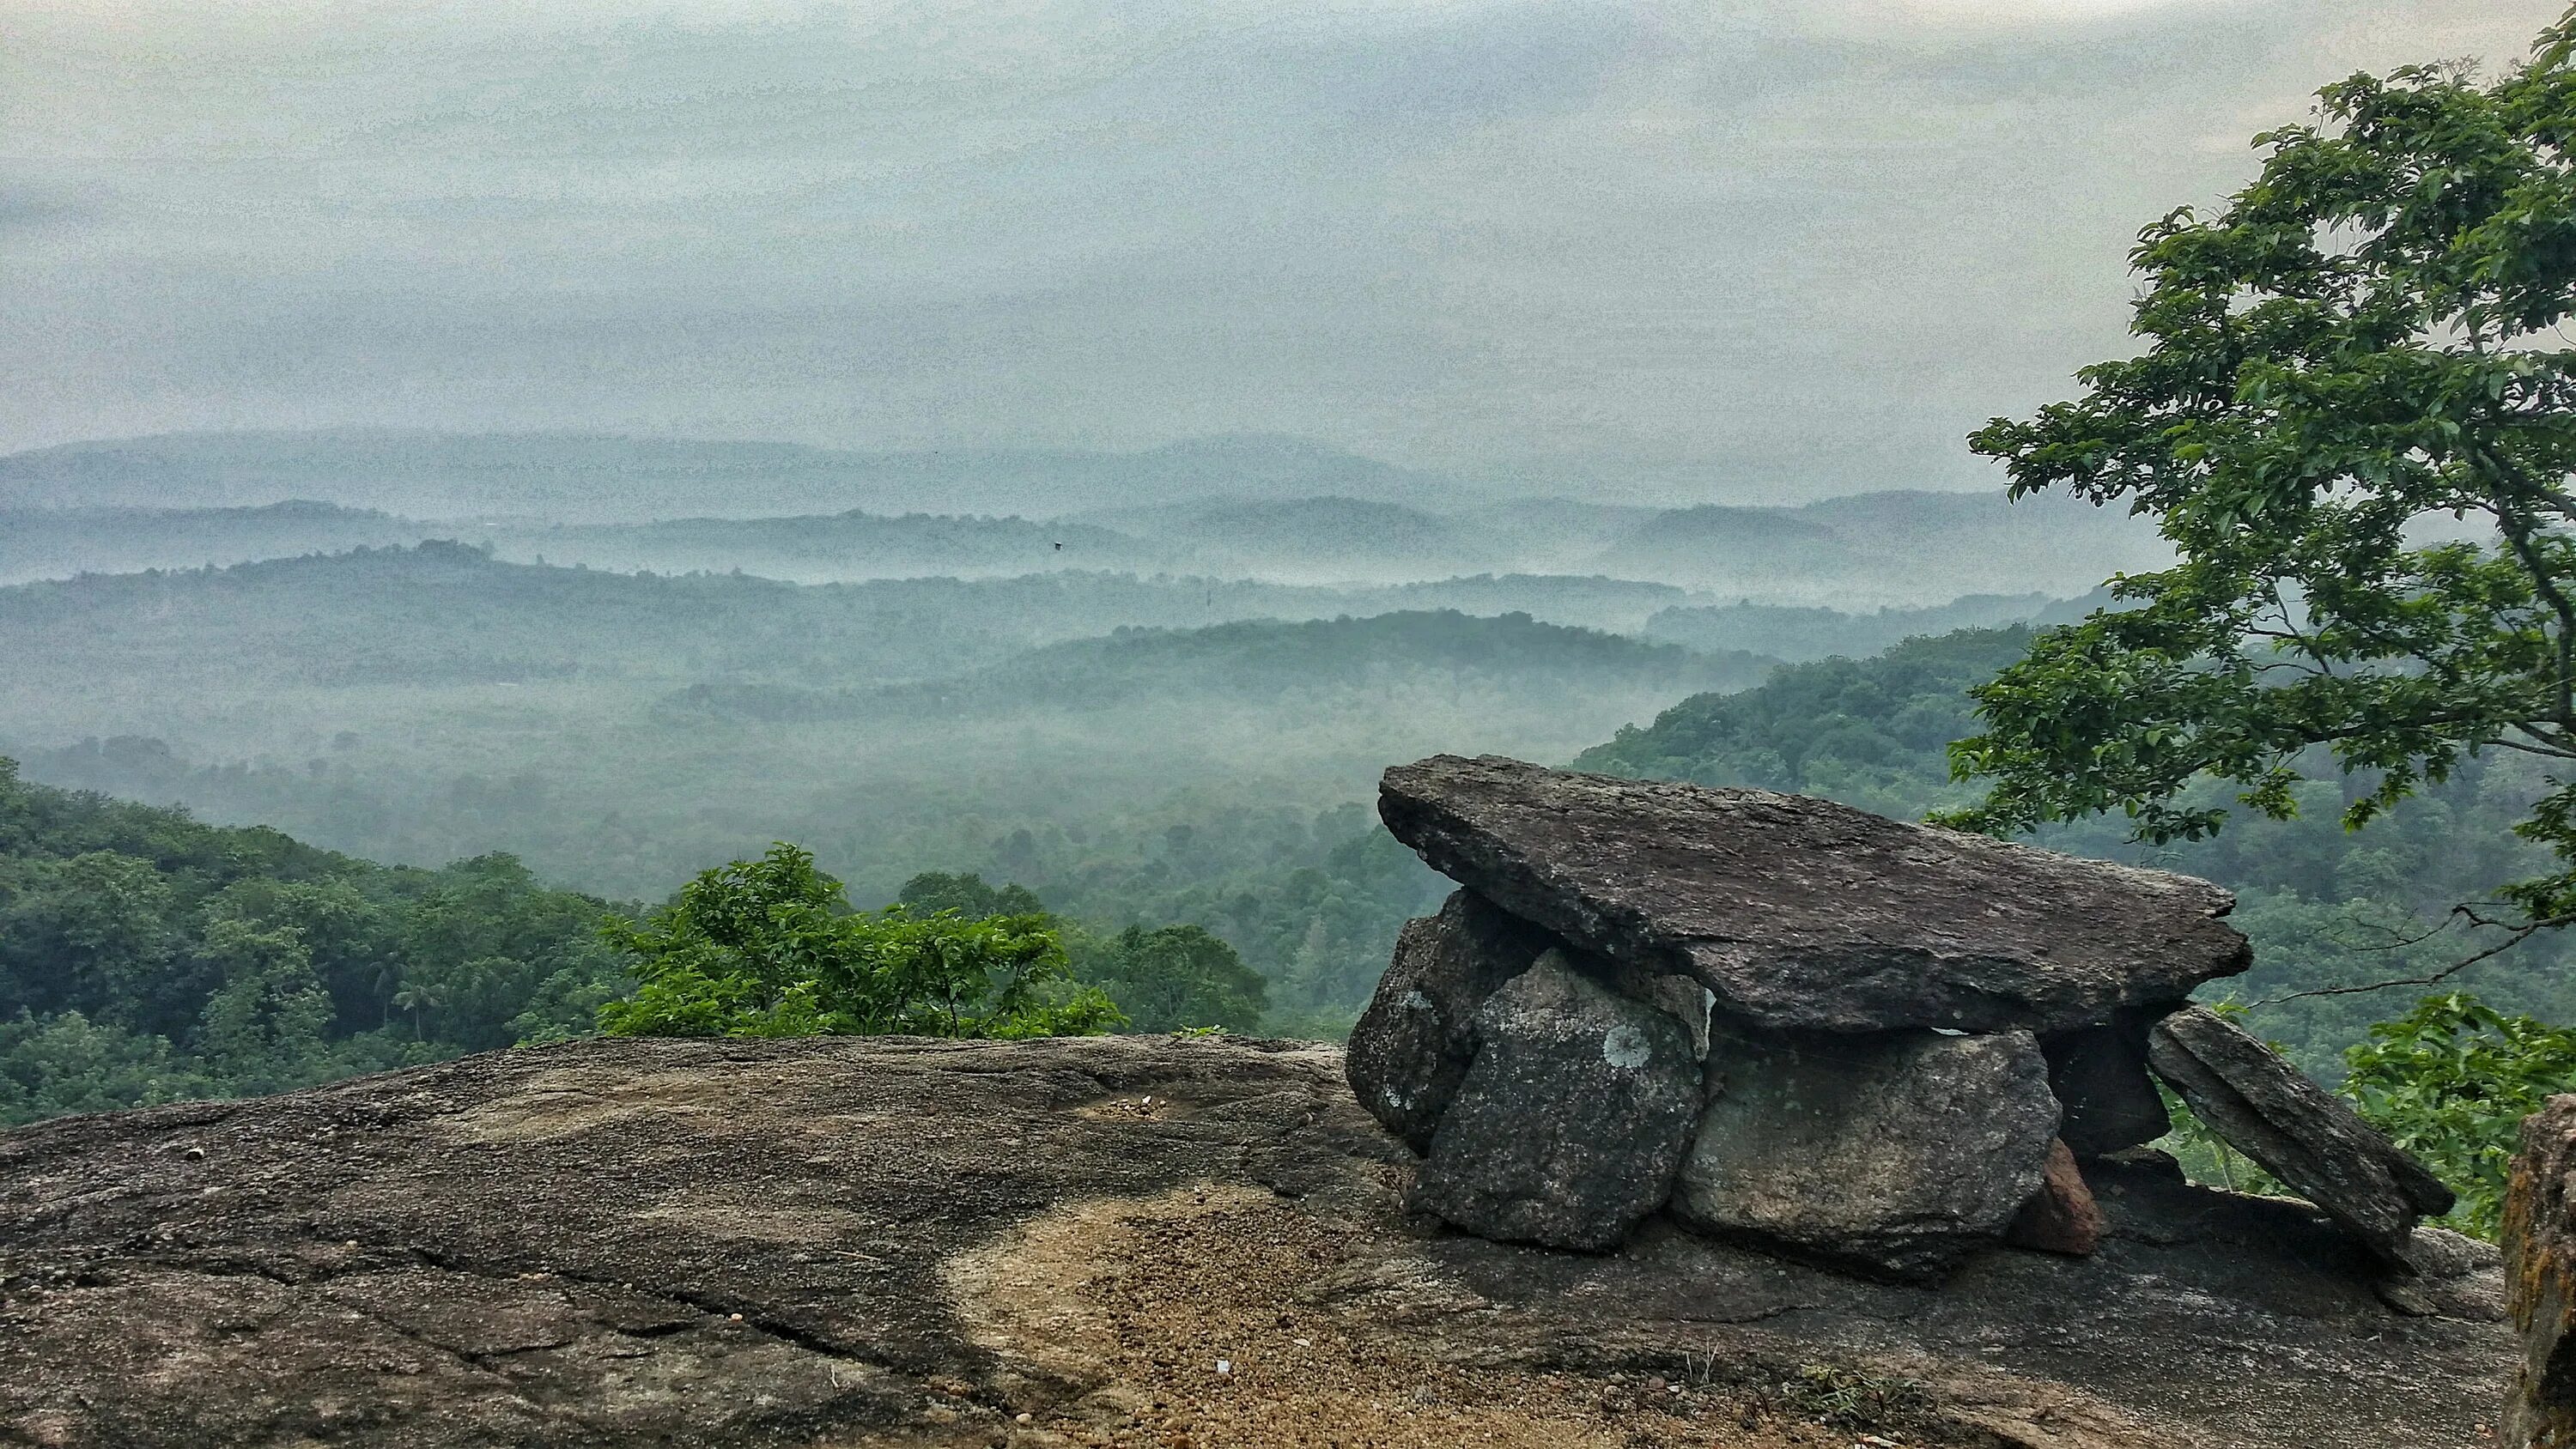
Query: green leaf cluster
[2451, 1082]
[770, 947]
[2355, 420]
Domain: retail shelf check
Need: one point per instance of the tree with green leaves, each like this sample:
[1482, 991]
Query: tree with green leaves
[1175, 977]
[770, 947]
[968, 894]
[2356, 423]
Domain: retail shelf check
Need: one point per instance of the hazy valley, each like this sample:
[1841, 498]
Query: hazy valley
[1173, 708]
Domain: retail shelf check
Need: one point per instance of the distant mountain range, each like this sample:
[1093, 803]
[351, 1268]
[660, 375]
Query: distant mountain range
[574, 478]
[1264, 509]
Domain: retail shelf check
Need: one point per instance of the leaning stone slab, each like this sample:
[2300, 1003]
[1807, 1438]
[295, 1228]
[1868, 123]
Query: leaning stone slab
[1901, 1152]
[1571, 1122]
[2302, 1134]
[1411, 1048]
[2540, 1278]
[1805, 914]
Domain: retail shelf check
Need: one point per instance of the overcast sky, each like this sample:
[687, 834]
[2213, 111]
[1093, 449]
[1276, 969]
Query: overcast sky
[1731, 248]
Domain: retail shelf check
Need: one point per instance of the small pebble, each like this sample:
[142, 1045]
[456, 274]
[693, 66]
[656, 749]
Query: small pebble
[1025, 1419]
[733, 1318]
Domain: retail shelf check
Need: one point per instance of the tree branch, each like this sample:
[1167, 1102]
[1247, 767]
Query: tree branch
[2517, 532]
[2520, 934]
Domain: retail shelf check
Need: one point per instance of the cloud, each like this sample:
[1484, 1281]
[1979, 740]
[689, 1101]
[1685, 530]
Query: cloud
[1744, 248]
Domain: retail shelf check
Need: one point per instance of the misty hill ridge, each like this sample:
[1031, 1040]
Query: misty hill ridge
[837, 547]
[1904, 548]
[583, 478]
[1328, 537]
[445, 613]
[40, 543]
[1265, 658]
[1897, 547]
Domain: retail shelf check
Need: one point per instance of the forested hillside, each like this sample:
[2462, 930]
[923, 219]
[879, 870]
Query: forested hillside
[584, 478]
[1800, 634]
[1138, 751]
[1320, 665]
[145, 957]
[351, 965]
[621, 732]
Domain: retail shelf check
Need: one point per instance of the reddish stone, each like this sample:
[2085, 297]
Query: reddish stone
[2062, 1217]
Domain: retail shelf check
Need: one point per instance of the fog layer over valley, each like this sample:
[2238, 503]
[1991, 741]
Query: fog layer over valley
[1150, 687]
[1266, 509]
[1172, 708]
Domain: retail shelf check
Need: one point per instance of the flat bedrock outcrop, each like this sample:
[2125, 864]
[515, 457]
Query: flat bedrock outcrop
[1571, 1122]
[761, 1244]
[2309, 1138]
[1903, 1153]
[1800, 913]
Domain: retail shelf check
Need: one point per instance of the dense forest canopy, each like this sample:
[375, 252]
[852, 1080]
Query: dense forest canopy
[147, 957]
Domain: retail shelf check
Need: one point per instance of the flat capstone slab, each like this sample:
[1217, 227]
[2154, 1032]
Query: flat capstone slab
[1804, 914]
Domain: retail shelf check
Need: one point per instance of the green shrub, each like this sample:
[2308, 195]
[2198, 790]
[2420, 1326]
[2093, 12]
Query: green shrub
[770, 947]
[2451, 1082]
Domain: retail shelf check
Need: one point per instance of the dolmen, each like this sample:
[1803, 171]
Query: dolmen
[1815, 1030]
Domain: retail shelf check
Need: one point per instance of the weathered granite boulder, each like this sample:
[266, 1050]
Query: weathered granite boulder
[2099, 1077]
[2540, 1280]
[2302, 1134]
[1411, 1048]
[1572, 1119]
[1900, 1152]
[1802, 913]
[1689, 1003]
[2062, 1216]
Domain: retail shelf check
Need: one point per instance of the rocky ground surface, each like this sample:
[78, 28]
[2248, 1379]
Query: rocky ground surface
[1113, 1241]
